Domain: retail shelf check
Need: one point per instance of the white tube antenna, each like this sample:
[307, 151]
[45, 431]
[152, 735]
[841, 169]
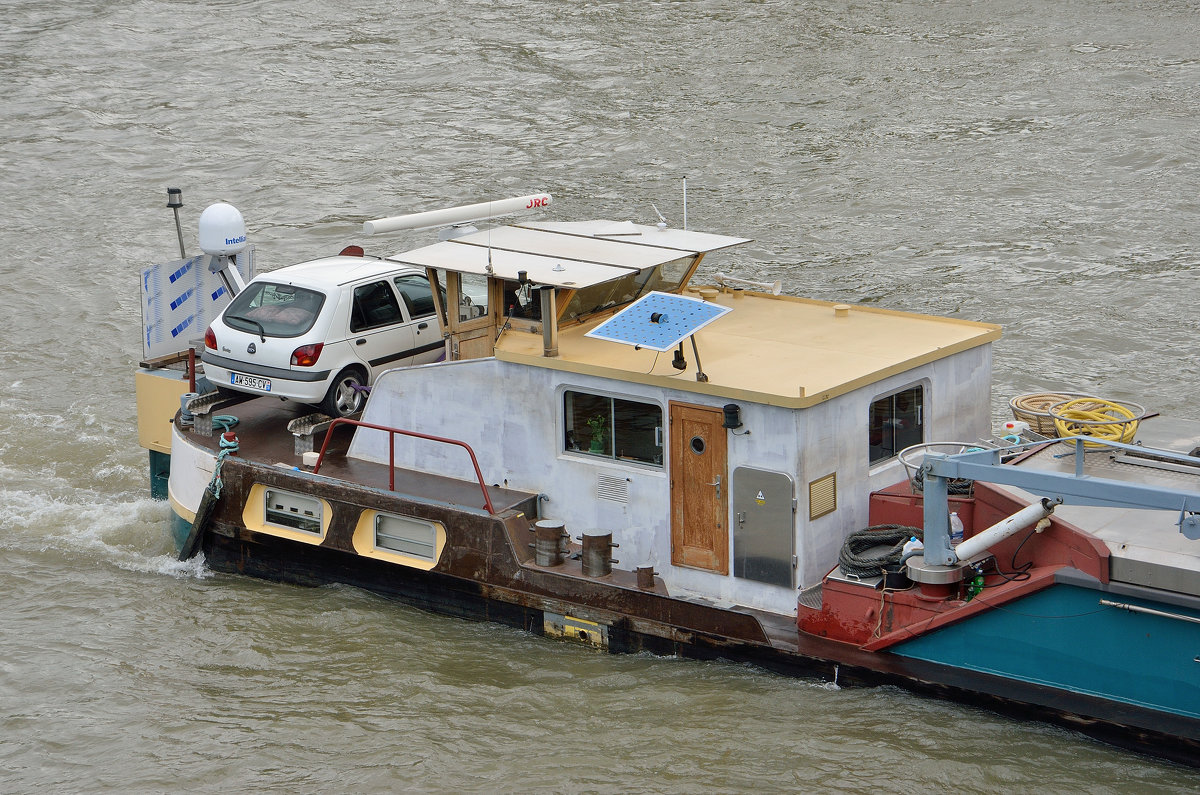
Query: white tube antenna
[453, 216]
[981, 542]
[775, 288]
[685, 203]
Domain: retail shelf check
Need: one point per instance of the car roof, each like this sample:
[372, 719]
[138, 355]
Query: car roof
[329, 272]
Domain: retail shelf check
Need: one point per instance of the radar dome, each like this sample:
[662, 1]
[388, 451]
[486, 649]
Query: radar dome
[222, 230]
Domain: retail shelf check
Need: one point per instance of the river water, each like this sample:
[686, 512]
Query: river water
[1027, 163]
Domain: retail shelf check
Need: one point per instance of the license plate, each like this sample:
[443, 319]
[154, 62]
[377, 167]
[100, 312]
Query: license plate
[262, 384]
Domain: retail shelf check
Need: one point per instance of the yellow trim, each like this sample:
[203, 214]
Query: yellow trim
[364, 541]
[254, 517]
[177, 507]
[158, 393]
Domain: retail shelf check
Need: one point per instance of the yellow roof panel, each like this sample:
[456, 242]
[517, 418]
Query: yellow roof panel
[779, 350]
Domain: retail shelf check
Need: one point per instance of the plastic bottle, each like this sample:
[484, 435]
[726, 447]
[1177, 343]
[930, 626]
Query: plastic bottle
[912, 544]
[956, 530]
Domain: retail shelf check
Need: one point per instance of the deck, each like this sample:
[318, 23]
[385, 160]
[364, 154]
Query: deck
[263, 437]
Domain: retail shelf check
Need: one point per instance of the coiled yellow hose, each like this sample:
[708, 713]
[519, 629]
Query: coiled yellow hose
[1096, 418]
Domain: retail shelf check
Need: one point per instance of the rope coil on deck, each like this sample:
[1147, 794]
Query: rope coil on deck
[854, 560]
[1095, 418]
[959, 487]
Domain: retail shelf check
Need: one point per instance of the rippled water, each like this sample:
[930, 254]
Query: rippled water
[1032, 164]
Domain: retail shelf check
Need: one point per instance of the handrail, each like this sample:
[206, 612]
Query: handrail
[487, 499]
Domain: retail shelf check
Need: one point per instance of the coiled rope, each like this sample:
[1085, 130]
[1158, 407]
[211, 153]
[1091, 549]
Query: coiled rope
[226, 421]
[1098, 419]
[228, 447]
[854, 560]
[955, 486]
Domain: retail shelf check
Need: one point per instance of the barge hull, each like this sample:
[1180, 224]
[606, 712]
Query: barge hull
[238, 551]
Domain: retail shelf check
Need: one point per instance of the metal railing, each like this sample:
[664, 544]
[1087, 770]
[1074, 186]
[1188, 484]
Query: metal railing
[487, 499]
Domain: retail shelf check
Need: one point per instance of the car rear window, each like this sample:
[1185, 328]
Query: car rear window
[274, 310]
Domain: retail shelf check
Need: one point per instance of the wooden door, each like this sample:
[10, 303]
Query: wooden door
[472, 335]
[699, 488]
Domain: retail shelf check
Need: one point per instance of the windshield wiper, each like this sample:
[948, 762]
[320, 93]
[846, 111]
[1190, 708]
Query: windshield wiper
[262, 332]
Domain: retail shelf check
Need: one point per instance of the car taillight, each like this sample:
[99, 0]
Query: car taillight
[306, 355]
[210, 339]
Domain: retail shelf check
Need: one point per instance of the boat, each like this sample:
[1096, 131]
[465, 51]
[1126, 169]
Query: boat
[610, 454]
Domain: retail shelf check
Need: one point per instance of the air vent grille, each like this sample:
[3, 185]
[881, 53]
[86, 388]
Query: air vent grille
[822, 496]
[612, 487]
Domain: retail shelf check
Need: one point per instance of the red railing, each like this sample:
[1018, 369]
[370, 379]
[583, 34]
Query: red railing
[487, 499]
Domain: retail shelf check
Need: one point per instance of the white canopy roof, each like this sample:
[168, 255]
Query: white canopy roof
[571, 255]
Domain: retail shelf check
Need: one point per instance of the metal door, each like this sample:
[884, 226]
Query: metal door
[764, 521]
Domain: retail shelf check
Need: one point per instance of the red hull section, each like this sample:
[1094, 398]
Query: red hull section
[876, 618]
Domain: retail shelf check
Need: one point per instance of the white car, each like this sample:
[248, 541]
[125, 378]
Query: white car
[321, 331]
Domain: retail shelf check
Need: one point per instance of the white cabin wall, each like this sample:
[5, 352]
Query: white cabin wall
[517, 432]
[957, 408]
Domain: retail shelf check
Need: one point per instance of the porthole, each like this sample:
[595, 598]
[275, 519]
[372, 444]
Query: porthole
[697, 445]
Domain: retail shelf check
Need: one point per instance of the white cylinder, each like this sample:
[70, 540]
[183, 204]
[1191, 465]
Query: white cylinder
[222, 230]
[1003, 529]
[458, 215]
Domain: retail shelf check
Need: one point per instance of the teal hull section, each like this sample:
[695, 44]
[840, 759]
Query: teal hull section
[180, 529]
[1064, 638]
[160, 474]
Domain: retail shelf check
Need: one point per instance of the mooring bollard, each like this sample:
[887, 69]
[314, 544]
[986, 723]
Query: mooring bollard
[551, 542]
[597, 554]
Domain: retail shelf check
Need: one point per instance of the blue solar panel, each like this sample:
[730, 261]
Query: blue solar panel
[658, 321]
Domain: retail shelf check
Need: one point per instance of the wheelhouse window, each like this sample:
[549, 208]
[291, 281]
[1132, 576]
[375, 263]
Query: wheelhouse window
[613, 428]
[274, 310]
[667, 277]
[897, 421]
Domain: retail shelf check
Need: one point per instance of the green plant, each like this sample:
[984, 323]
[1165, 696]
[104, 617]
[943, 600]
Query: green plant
[598, 423]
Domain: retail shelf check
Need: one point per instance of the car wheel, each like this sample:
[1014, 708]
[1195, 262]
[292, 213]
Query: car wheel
[346, 394]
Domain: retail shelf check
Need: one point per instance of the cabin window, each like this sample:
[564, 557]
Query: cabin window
[613, 428]
[293, 511]
[897, 421]
[473, 296]
[667, 277]
[406, 535]
[521, 300]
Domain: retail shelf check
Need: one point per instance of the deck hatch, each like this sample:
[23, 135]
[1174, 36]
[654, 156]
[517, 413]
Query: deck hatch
[293, 511]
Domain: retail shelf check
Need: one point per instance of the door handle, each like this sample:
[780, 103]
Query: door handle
[360, 341]
[717, 483]
[422, 326]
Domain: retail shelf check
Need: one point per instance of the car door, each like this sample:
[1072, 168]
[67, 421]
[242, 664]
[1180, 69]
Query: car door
[380, 334]
[414, 289]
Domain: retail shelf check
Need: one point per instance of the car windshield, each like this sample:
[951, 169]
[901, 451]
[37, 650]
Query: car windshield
[274, 310]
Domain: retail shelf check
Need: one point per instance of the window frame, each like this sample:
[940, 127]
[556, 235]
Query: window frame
[885, 425]
[294, 521]
[580, 450]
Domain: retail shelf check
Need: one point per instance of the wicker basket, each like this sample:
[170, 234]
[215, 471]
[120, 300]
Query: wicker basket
[1117, 422]
[1035, 409]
